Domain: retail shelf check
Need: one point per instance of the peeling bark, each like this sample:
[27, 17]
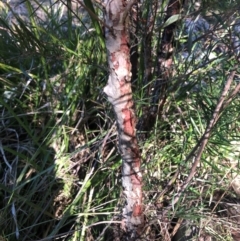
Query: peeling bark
[134, 31]
[164, 72]
[165, 57]
[119, 93]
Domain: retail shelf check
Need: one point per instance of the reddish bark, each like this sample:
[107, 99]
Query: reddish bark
[164, 72]
[119, 92]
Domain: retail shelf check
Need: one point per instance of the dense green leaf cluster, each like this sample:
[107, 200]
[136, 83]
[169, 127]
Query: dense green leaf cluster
[60, 169]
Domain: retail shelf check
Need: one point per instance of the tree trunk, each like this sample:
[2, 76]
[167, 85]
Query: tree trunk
[163, 72]
[119, 93]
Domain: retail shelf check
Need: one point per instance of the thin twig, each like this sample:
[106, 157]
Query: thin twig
[231, 96]
[204, 140]
[199, 148]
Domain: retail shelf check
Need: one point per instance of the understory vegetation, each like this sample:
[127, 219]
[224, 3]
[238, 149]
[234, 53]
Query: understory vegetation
[60, 168]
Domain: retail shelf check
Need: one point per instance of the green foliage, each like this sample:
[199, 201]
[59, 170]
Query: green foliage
[60, 168]
[50, 97]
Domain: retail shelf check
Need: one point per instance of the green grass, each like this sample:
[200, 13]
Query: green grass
[60, 170]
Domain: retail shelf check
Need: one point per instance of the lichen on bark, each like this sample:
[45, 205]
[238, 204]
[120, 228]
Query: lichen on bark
[119, 93]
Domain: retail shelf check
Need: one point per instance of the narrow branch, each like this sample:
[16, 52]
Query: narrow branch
[232, 96]
[199, 148]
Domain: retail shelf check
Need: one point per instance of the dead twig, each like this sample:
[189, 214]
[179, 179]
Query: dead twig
[199, 148]
[204, 140]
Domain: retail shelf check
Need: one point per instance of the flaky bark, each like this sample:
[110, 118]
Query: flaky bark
[119, 93]
[165, 58]
[163, 71]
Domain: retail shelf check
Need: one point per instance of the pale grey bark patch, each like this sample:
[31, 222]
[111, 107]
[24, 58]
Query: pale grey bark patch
[119, 93]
